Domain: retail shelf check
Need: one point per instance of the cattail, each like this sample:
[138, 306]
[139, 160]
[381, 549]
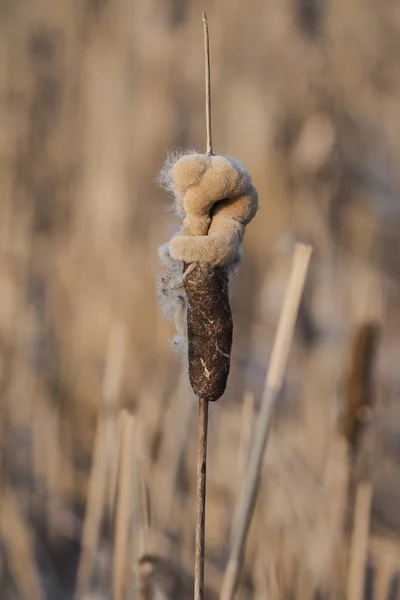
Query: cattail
[216, 198]
[359, 388]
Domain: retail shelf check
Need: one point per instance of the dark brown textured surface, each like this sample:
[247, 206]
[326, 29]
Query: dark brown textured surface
[209, 330]
[359, 388]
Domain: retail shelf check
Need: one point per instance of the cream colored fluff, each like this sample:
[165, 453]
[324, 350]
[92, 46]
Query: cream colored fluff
[218, 200]
[215, 198]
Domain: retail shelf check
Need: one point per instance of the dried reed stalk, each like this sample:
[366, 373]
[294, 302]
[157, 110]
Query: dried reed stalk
[143, 495]
[247, 422]
[96, 499]
[359, 542]
[214, 227]
[201, 499]
[207, 83]
[103, 476]
[194, 286]
[273, 385]
[111, 391]
[124, 506]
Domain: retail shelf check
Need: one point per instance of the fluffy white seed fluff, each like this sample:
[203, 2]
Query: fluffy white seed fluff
[215, 200]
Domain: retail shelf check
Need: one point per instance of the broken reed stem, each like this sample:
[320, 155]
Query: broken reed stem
[359, 542]
[124, 506]
[280, 352]
[208, 83]
[201, 499]
[96, 497]
[143, 495]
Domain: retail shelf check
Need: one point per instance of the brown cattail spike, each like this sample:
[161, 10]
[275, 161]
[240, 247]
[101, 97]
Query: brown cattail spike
[359, 385]
[209, 330]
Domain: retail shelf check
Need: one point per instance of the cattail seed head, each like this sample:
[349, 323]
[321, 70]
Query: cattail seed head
[215, 197]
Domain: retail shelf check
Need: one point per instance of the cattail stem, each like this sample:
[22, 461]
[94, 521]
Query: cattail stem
[208, 83]
[203, 403]
[273, 385]
[201, 499]
[359, 542]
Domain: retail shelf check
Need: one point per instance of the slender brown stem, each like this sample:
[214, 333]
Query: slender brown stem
[208, 83]
[203, 403]
[201, 499]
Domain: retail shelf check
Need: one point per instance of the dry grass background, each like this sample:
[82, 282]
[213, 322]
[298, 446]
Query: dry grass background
[93, 95]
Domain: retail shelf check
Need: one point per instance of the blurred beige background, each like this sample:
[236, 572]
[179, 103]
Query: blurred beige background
[93, 97]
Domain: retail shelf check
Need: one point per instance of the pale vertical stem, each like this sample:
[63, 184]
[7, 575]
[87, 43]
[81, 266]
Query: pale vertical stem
[280, 352]
[247, 422]
[94, 511]
[145, 547]
[111, 390]
[359, 542]
[203, 404]
[124, 507]
[288, 316]
[208, 83]
[112, 487]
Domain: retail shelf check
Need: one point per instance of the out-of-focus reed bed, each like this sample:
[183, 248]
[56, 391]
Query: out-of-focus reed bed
[99, 502]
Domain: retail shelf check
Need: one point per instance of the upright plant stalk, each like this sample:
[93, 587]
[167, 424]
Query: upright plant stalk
[203, 402]
[201, 498]
[208, 83]
[272, 388]
[218, 201]
[359, 397]
[359, 542]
